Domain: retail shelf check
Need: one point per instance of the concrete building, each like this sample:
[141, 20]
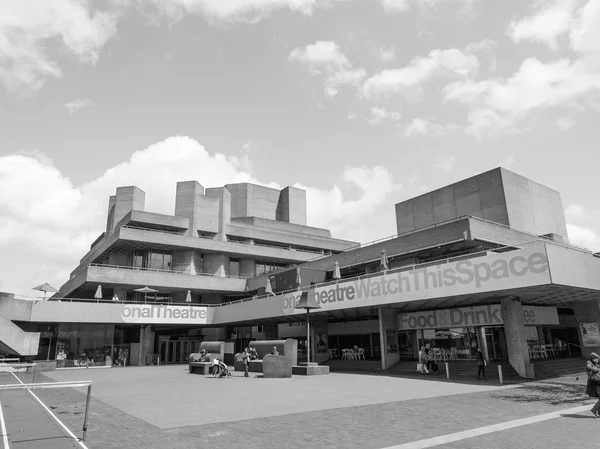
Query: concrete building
[483, 263]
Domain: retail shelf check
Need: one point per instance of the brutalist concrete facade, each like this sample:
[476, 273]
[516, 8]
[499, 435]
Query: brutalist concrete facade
[499, 196]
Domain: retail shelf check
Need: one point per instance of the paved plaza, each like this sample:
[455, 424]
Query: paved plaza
[165, 407]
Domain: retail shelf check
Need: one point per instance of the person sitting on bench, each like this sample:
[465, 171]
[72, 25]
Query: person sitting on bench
[274, 351]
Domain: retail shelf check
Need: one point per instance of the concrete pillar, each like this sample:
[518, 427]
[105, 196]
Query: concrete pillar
[586, 312]
[291, 206]
[146, 343]
[516, 337]
[216, 264]
[110, 218]
[187, 261]
[127, 199]
[247, 267]
[388, 337]
[187, 197]
[319, 329]
[224, 197]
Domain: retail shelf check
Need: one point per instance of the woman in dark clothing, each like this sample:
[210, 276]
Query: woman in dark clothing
[481, 362]
[593, 385]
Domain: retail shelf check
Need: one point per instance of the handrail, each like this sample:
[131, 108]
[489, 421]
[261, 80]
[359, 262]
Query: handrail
[406, 268]
[159, 270]
[569, 347]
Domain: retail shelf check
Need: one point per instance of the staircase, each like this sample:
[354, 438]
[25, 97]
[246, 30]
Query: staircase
[14, 340]
[547, 369]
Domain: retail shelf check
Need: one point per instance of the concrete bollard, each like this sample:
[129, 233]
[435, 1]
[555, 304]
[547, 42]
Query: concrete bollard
[500, 374]
[447, 371]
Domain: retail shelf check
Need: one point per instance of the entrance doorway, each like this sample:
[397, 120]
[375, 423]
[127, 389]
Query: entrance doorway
[177, 351]
[496, 343]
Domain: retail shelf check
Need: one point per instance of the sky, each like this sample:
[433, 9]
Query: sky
[364, 103]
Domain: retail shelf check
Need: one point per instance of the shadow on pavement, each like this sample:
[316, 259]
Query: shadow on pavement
[578, 416]
[548, 393]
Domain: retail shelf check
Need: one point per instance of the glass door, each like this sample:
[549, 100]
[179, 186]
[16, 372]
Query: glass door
[496, 343]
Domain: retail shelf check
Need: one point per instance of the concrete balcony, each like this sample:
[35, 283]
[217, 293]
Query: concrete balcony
[145, 238]
[84, 284]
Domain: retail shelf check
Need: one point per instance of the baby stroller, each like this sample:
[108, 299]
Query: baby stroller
[220, 369]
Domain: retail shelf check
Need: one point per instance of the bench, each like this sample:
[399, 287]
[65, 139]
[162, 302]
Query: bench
[271, 365]
[197, 363]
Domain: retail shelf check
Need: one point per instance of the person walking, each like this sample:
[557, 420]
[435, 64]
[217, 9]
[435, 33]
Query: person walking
[246, 361]
[481, 363]
[592, 389]
[423, 360]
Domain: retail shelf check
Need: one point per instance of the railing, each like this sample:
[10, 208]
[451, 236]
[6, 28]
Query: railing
[569, 347]
[286, 247]
[158, 270]
[43, 386]
[162, 231]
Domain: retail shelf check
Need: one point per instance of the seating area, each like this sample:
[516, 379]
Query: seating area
[271, 366]
[353, 354]
[203, 364]
[542, 351]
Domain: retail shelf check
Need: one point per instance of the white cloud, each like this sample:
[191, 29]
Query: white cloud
[325, 58]
[387, 54]
[423, 126]
[499, 104]
[395, 6]
[582, 226]
[330, 209]
[250, 11]
[398, 6]
[565, 123]
[445, 163]
[29, 28]
[411, 78]
[48, 222]
[380, 114]
[583, 236]
[505, 104]
[508, 161]
[553, 20]
[76, 105]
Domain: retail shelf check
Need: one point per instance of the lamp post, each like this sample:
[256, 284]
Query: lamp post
[307, 301]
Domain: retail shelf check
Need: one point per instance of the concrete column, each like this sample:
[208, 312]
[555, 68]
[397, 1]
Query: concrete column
[319, 330]
[146, 343]
[187, 198]
[247, 267]
[390, 354]
[187, 261]
[586, 312]
[516, 337]
[224, 197]
[216, 264]
[127, 199]
[110, 218]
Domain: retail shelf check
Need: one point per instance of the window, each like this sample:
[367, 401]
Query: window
[153, 259]
[267, 267]
[234, 267]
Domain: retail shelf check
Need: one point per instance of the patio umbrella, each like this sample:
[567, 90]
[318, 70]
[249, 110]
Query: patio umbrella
[269, 288]
[188, 297]
[45, 287]
[145, 291]
[298, 278]
[336, 272]
[307, 301]
[98, 294]
[384, 261]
